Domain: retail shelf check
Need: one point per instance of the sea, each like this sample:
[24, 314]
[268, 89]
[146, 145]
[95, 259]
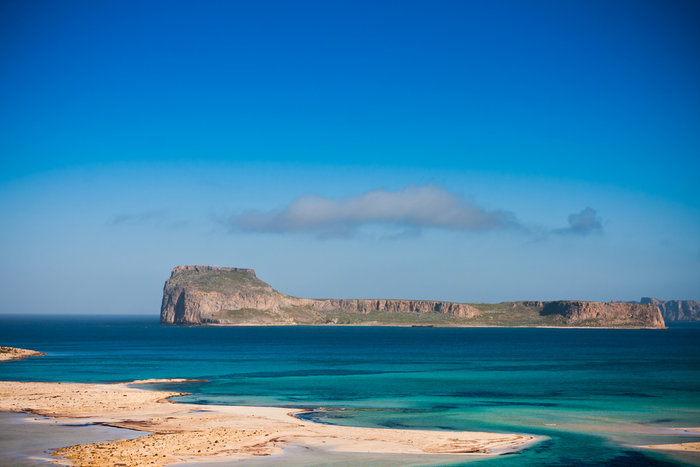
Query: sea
[593, 395]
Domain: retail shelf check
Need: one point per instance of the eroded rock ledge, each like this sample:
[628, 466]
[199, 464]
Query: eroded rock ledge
[14, 353]
[210, 295]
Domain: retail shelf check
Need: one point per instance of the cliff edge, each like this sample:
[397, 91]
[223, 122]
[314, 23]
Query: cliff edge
[211, 295]
[676, 310]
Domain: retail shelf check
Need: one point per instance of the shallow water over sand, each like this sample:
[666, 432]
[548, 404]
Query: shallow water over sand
[26, 440]
[594, 393]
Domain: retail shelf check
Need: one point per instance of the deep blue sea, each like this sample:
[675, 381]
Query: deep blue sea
[595, 393]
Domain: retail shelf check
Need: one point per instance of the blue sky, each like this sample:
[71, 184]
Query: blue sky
[469, 151]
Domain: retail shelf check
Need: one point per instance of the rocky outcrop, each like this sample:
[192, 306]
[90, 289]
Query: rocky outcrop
[613, 314]
[202, 294]
[676, 310]
[13, 353]
[213, 295]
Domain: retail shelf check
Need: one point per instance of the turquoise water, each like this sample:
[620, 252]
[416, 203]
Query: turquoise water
[593, 393]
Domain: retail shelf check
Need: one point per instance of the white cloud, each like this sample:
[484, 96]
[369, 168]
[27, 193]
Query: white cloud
[411, 208]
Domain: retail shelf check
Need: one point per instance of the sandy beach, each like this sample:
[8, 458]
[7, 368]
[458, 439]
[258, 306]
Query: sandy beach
[180, 433]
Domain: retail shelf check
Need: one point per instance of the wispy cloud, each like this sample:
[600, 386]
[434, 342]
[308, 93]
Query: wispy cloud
[138, 218]
[155, 218]
[585, 222]
[412, 209]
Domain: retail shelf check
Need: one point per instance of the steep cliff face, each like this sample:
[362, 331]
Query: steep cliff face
[229, 296]
[215, 295]
[580, 313]
[676, 310]
[204, 294]
[461, 310]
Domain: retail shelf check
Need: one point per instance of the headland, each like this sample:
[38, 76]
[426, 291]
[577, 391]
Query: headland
[211, 295]
[14, 353]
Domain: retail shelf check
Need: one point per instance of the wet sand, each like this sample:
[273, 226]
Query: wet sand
[188, 433]
[27, 440]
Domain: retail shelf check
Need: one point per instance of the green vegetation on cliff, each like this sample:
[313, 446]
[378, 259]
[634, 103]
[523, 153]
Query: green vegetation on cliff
[216, 280]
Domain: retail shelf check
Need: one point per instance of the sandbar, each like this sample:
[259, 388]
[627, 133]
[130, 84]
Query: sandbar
[190, 433]
[681, 447]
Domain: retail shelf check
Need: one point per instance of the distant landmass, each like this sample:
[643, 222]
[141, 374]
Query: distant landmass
[676, 310]
[210, 295]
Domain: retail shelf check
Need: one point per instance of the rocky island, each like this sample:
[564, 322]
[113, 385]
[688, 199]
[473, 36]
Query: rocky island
[211, 295]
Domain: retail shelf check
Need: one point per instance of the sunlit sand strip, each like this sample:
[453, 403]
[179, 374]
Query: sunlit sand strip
[181, 433]
[683, 447]
[14, 353]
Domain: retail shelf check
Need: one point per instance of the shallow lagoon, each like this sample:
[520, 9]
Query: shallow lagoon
[594, 393]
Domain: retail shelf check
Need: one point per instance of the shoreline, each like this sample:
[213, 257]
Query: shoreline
[176, 433]
[379, 325]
